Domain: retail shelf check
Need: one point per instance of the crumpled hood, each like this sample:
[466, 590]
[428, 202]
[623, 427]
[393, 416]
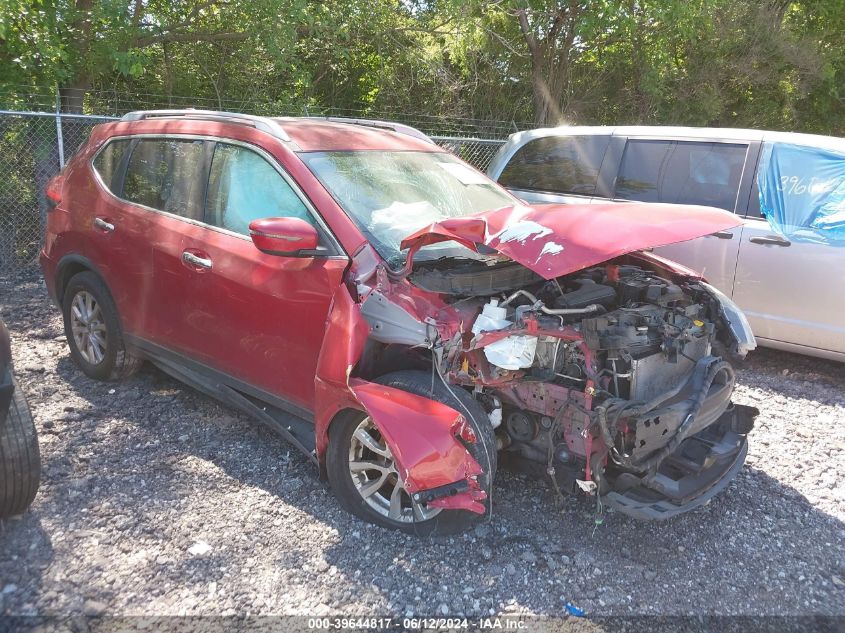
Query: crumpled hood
[558, 239]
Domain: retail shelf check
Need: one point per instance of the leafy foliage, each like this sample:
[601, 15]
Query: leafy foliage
[769, 63]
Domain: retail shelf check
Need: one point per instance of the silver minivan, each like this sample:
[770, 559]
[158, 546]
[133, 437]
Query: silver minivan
[791, 286]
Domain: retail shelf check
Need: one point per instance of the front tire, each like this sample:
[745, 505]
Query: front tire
[363, 474]
[20, 458]
[93, 331]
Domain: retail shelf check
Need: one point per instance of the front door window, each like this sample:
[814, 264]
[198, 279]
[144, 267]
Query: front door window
[243, 187]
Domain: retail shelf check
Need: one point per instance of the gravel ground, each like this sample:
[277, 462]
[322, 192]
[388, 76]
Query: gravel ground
[157, 500]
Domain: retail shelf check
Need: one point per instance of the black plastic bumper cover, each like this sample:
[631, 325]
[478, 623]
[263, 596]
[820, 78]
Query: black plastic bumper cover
[702, 466]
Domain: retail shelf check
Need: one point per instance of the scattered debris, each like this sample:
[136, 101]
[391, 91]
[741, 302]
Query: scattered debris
[200, 548]
[573, 610]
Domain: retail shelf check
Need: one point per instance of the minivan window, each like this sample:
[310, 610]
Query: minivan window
[108, 160]
[243, 187]
[168, 175]
[560, 164]
[681, 172]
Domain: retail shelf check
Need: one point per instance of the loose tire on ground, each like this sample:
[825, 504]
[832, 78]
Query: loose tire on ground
[20, 459]
[338, 456]
[116, 362]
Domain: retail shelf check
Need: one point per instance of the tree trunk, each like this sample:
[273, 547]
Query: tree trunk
[546, 60]
[540, 94]
[72, 97]
[73, 93]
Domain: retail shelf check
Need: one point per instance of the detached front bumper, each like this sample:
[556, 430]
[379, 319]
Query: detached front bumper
[701, 467]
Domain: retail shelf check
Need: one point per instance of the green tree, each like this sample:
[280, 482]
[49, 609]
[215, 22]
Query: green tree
[770, 63]
[73, 43]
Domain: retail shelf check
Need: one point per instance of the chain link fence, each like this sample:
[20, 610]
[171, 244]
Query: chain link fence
[35, 145]
[478, 152]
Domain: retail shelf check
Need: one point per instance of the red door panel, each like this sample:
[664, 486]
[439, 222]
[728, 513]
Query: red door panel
[257, 317]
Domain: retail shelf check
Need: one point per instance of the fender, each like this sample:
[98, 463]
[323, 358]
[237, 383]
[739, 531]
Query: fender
[61, 277]
[343, 343]
[421, 433]
[423, 436]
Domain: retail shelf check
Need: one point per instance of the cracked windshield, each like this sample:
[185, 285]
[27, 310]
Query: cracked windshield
[390, 195]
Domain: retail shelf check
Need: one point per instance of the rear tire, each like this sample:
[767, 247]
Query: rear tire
[20, 458]
[425, 521]
[93, 330]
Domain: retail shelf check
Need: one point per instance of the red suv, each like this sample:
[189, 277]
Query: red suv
[398, 316]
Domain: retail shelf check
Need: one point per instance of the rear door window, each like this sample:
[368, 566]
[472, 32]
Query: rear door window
[681, 172]
[243, 187]
[558, 164]
[168, 175]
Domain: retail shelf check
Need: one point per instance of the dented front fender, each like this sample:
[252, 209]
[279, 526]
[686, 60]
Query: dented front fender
[422, 434]
[343, 343]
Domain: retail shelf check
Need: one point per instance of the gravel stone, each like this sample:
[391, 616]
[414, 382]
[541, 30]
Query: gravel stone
[93, 608]
[135, 473]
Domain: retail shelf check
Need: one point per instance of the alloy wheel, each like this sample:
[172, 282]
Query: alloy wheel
[374, 474]
[88, 327]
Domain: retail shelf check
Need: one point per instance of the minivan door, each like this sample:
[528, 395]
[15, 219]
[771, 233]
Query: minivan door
[790, 288]
[707, 172]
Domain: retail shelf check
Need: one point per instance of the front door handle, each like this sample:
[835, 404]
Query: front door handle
[722, 235]
[774, 240]
[195, 260]
[105, 225]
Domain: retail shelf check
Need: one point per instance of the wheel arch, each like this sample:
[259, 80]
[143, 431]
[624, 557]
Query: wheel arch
[343, 414]
[379, 359]
[71, 265]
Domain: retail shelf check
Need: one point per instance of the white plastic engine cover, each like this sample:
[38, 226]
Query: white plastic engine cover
[513, 352]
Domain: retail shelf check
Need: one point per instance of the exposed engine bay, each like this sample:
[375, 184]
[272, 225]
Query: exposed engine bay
[613, 380]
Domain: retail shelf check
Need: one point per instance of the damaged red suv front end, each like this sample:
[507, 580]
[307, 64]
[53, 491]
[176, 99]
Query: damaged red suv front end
[600, 366]
[427, 323]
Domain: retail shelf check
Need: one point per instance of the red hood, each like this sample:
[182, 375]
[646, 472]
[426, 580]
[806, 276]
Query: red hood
[557, 239]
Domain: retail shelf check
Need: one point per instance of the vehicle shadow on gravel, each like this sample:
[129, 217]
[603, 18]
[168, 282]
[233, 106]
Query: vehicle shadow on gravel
[759, 545]
[26, 553]
[790, 374]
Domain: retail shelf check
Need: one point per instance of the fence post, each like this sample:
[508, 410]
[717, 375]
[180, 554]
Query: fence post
[59, 138]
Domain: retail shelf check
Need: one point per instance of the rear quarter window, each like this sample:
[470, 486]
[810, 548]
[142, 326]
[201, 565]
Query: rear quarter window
[558, 164]
[108, 161]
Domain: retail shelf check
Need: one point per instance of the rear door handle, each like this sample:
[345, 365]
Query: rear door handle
[722, 235]
[195, 260]
[105, 225]
[774, 240]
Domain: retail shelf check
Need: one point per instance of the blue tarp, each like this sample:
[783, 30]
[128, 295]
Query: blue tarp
[802, 192]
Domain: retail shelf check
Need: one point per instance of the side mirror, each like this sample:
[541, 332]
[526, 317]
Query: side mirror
[292, 237]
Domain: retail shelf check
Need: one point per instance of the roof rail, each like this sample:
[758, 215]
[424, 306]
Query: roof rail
[399, 128]
[265, 124]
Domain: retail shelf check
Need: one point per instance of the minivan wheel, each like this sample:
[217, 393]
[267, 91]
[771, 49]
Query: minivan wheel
[363, 473]
[20, 459]
[93, 331]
